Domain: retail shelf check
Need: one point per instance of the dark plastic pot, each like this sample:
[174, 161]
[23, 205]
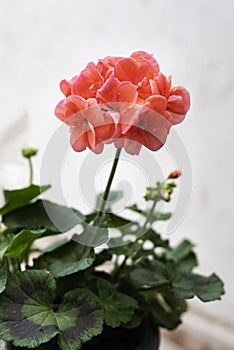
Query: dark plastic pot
[144, 337]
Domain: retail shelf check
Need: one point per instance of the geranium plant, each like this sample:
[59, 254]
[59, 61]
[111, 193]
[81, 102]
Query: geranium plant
[65, 298]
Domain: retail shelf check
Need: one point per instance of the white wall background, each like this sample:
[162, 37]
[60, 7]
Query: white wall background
[42, 42]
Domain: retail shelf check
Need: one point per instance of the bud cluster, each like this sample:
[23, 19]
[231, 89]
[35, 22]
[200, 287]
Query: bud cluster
[162, 190]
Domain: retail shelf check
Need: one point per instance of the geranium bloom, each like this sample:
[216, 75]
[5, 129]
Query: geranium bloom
[115, 91]
[147, 128]
[127, 101]
[85, 84]
[172, 102]
[89, 126]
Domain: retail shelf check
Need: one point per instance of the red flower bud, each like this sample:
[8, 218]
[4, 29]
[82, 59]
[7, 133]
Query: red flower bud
[174, 174]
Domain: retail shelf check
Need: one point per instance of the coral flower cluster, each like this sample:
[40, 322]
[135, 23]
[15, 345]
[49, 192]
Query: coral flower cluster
[127, 101]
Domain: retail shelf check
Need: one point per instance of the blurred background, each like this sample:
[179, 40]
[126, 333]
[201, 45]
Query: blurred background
[44, 42]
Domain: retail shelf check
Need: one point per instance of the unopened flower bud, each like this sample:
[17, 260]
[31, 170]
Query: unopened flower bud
[166, 196]
[146, 195]
[29, 152]
[174, 174]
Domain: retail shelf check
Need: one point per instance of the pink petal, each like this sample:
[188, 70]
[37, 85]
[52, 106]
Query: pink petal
[140, 56]
[91, 138]
[127, 92]
[70, 106]
[181, 106]
[154, 87]
[126, 69]
[98, 148]
[157, 102]
[174, 99]
[106, 131]
[132, 147]
[78, 143]
[65, 87]
[108, 91]
[175, 118]
[88, 82]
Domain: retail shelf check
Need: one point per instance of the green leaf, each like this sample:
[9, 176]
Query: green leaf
[157, 216]
[127, 249]
[116, 221]
[102, 257]
[80, 317]
[26, 316]
[3, 277]
[183, 255]
[30, 314]
[44, 214]
[163, 317]
[188, 263]
[181, 251]
[93, 236]
[58, 243]
[22, 241]
[181, 282]
[134, 207]
[113, 197]
[67, 259]
[151, 273]
[5, 244]
[155, 238]
[97, 235]
[118, 307]
[187, 285]
[135, 320]
[175, 303]
[166, 309]
[19, 198]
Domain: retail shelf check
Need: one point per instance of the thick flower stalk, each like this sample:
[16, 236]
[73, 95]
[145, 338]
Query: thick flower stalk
[125, 101]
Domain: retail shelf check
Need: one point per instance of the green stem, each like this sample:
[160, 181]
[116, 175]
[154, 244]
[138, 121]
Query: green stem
[30, 171]
[18, 264]
[7, 263]
[109, 182]
[119, 269]
[149, 217]
[143, 289]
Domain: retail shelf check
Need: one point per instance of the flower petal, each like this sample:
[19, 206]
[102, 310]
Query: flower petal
[87, 83]
[78, 140]
[69, 107]
[106, 130]
[127, 92]
[157, 102]
[65, 87]
[164, 84]
[108, 92]
[126, 69]
[142, 56]
[182, 103]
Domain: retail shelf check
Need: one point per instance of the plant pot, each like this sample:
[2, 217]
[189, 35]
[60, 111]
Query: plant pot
[144, 337]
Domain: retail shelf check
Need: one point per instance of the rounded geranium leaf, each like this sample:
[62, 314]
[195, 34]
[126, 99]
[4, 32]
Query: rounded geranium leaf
[118, 307]
[67, 259]
[186, 285]
[26, 314]
[151, 273]
[30, 313]
[44, 214]
[22, 241]
[19, 198]
[80, 317]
